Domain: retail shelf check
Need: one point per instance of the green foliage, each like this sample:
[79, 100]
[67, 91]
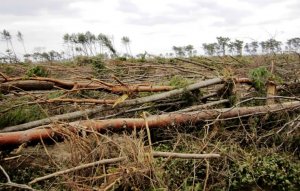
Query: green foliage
[142, 57]
[121, 58]
[179, 81]
[98, 64]
[22, 114]
[9, 70]
[259, 77]
[56, 94]
[95, 61]
[82, 60]
[40, 71]
[274, 172]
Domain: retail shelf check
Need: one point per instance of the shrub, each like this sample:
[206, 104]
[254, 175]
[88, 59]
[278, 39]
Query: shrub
[260, 76]
[273, 172]
[40, 71]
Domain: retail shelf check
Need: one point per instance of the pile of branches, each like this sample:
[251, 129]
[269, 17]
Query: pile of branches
[226, 99]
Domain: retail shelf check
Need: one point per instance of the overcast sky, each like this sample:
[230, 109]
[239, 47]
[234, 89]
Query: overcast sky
[152, 25]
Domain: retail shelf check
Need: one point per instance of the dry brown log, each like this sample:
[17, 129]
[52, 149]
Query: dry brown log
[47, 85]
[159, 121]
[25, 85]
[243, 80]
[36, 83]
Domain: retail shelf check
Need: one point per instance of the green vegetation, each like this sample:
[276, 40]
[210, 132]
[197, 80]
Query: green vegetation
[21, 114]
[260, 76]
[39, 71]
[179, 81]
[269, 172]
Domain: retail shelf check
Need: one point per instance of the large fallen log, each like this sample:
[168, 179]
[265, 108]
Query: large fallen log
[132, 102]
[26, 85]
[158, 121]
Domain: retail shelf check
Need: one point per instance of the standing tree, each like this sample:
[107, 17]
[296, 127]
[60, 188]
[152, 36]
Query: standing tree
[254, 46]
[231, 47]
[90, 42]
[263, 46]
[21, 39]
[7, 37]
[238, 44]
[223, 42]
[82, 40]
[293, 44]
[189, 49]
[247, 48]
[210, 49]
[273, 45]
[68, 40]
[108, 44]
[126, 42]
[179, 51]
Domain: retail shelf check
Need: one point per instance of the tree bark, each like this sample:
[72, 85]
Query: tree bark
[25, 85]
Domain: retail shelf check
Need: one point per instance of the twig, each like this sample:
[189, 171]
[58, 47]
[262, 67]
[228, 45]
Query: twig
[206, 175]
[184, 155]
[101, 162]
[5, 174]
[204, 106]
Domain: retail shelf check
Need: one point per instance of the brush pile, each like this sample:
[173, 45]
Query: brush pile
[164, 124]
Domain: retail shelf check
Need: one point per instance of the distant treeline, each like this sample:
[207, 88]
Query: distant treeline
[225, 45]
[89, 44]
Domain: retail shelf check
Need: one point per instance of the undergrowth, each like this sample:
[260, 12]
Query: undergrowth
[21, 114]
[39, 71]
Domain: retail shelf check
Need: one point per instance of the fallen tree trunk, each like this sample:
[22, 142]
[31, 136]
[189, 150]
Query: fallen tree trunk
[69, 100]
[48, 85]
[132, 102]
[26, 85]
[159, 121]
[196, 63]
[36, 83]
[171, 93]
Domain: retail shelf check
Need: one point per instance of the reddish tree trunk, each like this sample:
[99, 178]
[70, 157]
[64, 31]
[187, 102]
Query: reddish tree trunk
[159, 121]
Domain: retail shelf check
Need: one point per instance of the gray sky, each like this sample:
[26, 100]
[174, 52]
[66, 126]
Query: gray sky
[152, 25]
